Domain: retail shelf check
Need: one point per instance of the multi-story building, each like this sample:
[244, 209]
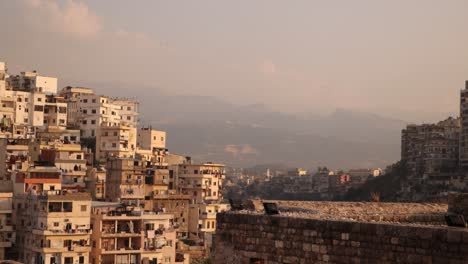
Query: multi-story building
[431, 150]
[175, 204]
[53, 227]
[128, 111]
[72, 97]
[32, 82]
[149, 139]
[15, 156]
[55, 111]
[130, 235]
[125, 181]
[7, 234]
[116, 141]
[96, 183]
[202, 224]
[463, 156]
[203, 182]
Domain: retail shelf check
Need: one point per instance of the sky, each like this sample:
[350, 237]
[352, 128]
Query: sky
[400, 58]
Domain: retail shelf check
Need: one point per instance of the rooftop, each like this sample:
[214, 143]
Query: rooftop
[408, 213]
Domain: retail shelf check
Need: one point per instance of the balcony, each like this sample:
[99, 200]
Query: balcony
[71, 232]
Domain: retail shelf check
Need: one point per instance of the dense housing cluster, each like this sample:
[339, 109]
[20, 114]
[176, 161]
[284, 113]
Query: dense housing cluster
[81, 182]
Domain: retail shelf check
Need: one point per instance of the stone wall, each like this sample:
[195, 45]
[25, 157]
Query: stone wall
[255, 238]
[458, 204]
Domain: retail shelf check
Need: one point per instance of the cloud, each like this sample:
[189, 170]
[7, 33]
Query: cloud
[267, 67]
[72, 18]
[239, 150]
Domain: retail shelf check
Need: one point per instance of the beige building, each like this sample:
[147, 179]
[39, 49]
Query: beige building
[32, 82]
[53, 227]
[202, 224]
[125, 181]
[116, 141]
[129, 235]
[96, 183]
[7, 234]
[203, 182]
[149, 139]
[128, 111]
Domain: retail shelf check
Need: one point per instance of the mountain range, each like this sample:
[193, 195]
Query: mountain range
[211, 129]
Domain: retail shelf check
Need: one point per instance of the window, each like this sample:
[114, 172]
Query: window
[19, 99]
[85, 111]
[39, 108]
[26, 100]
[93, 133]
[129, 108]
[61, 121]
[81, 260]
[78, 157]
[93, 122]
[85, 100]
[39, 99]
[93, 111]
[68, 207]
[106, 134]
[94, 100]
[129, 118]
[56, 224]
[115, 133]
[85, 122]
[114, 145]
[68, 260]
[84, 208]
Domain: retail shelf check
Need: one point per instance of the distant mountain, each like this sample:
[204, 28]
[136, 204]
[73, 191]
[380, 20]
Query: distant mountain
[210, 129]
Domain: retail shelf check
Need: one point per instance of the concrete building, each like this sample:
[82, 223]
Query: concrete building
[149, 139]
[53, 227]
[72, 97]
[116, 141]
[129, 235]
[32, 82]
[202, 221]
[431, 150]
[464, 127]
[128, 111]
[7, 234]
[203, 182]
[15, 156]
[96, 183]
[125, 181]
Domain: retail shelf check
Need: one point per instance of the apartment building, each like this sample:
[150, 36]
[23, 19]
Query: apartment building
[173, 203]
[30, 81]
[125, 181]
[55, 111]
[128, 235]
[15, 156]
[150, 139]
[116, 141]
[128, 111]
[203, 182]
[7, 234]
[463, 155]
[96, 183]
[431, 150]
[72, 97]
[202, 224]
[53, 227]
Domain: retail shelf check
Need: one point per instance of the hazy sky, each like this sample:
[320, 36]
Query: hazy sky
[397, 57]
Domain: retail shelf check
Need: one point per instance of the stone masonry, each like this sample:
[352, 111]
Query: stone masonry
[247, 237]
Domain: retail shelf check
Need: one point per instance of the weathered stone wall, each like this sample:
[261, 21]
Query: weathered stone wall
[244, 237]
[458, 204]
